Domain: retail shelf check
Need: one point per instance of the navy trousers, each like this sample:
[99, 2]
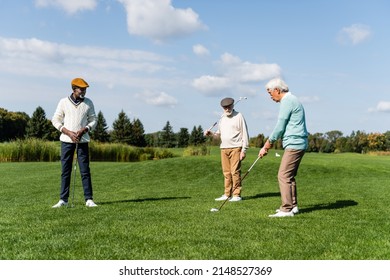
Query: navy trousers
[67, 156]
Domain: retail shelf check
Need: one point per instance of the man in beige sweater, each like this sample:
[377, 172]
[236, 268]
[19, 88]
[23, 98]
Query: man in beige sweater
[74, 118]
[233, 132]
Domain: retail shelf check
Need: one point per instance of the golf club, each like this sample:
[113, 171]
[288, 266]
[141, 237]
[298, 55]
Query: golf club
[211, 127]
[241, 98]
[74, 174]
[250, 168]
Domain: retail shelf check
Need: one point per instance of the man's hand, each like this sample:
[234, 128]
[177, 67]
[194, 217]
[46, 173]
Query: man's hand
[242, 156]
[81, 132]
[75, 136]
[208, 132]
[72, 135]
[264, 150]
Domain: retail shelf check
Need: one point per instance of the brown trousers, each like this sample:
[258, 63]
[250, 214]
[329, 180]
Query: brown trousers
[288, 169]
[231, 168]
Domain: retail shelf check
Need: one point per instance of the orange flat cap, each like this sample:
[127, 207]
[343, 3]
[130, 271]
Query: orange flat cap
[78, 82]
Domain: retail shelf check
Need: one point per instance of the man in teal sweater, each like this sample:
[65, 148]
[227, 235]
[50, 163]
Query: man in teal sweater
[291, 128]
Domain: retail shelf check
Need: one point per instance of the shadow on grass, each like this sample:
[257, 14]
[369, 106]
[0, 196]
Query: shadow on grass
[262, 195]
[338, 204]
[144, 199]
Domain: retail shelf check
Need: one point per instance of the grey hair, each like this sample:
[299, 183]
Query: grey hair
[277, 83]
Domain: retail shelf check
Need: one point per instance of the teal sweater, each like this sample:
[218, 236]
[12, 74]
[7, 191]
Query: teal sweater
[291, 125]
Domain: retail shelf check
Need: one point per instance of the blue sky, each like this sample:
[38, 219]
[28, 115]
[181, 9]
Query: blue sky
[174, 60]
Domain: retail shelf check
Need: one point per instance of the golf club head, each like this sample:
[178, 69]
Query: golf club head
[214, 210]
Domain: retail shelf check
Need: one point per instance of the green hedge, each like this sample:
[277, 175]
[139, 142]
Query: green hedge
[124, 153]
[38, 150]
[29, 150]
[201, 150]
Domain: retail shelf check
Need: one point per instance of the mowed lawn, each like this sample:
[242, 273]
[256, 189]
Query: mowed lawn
[160, 210]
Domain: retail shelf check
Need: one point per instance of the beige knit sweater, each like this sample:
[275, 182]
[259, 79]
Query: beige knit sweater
[233, 131]
[74, 117]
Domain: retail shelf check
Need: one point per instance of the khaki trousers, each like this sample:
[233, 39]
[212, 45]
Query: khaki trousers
[288, 169]
[231, 168]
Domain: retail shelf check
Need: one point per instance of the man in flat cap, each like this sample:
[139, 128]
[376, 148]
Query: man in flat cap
[233, 132]
[74, 118]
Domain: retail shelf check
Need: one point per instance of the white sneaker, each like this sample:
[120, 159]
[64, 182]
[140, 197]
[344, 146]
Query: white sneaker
[235, 198]
[282, 214]
[60, 203]
[224, 197]
[90, 203]
[295, 210]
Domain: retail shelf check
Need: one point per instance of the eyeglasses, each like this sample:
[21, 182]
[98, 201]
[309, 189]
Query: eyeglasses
[227, 107]
[270, 90]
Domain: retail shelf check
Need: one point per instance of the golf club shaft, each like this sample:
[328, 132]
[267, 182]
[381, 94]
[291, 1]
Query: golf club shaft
[241, 98]
[74, 174]
[250, 168]
[211, 127]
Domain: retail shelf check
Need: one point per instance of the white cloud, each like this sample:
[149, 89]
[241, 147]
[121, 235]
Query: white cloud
[211, 84]
[236, 75]
[354, 34]
[200, 50]
[382, 106]
[70, 6]
[35, 49]
[244, 71]
[37, 58]
[229, 59]
[157, 99]
[249, 72]
[159, 20]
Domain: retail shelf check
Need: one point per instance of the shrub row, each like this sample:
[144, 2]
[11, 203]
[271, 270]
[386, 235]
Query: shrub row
[124, 153]
[29, 150]
[201, 150]
[38, 150]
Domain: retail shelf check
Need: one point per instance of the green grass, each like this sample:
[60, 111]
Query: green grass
[161, 210]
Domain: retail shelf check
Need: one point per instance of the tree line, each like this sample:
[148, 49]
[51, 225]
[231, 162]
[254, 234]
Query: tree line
[335, 142]
[19, 125]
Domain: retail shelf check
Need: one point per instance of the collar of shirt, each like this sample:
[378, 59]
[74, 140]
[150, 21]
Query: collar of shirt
[74, 100]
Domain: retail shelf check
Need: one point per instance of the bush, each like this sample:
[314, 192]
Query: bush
[125, 153]
[196, 151]
[162, 153]
[39, 150]
[31, 149]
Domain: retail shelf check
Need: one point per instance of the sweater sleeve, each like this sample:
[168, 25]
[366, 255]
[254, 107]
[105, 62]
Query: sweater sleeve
[245, 135]
[92, 118]
[58, 117]
[280, 127]
[279, 130]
